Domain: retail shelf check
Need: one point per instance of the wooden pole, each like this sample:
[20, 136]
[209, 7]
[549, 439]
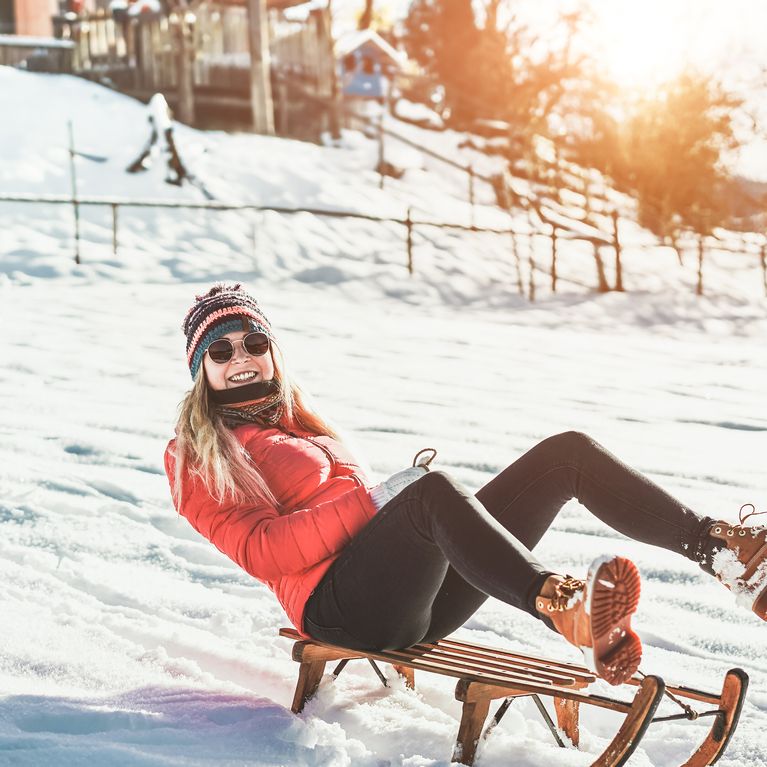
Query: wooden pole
[336, 105]
[470, 171]
[184, 70]
[381, 151]
[517, 262]
[554, 259]
[531, 268]
[409, 225]
[261, 104]
[602, 285]
[617, 246]
[699, 288]
[282, 108]
[73, 180]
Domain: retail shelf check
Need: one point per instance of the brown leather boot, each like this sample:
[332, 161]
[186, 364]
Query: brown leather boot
[742, 564]
[595, 616]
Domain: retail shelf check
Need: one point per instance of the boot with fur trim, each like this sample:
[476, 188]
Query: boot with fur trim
[741, 564]
[595, 616]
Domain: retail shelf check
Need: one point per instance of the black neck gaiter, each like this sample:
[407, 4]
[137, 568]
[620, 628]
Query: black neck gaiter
[259, 402]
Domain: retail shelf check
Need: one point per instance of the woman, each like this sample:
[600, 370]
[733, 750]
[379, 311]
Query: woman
[261, 475]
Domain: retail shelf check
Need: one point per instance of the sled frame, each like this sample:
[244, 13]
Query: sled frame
[486, 674]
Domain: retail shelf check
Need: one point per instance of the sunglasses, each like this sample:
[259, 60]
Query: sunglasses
[222, 350]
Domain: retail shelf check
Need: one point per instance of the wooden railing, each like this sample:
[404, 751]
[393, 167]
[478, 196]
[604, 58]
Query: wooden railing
[139, 54]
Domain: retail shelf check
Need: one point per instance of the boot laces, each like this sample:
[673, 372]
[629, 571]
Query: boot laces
[565, 591]
[752, 513]
[741, 529]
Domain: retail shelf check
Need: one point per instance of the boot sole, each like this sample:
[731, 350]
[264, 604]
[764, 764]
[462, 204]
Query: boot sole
[614, 588]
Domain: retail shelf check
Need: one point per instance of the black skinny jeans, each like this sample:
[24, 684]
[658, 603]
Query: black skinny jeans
[434, 553]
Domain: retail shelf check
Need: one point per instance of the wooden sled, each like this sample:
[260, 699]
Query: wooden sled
[485, 674]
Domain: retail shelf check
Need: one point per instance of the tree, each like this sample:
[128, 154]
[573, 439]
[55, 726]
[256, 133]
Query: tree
[440, 35]
[366, 19]
[497, 70]
[668, 150]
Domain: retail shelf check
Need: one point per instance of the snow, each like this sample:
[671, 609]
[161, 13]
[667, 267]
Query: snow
[144, 6]
[351, 41]
[418, 113]
[730, 571]
[29, 41]
[129, 640]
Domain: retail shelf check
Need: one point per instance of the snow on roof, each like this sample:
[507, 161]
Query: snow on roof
[296, 10]
[142, 6]
[22, 41]
[353, 40]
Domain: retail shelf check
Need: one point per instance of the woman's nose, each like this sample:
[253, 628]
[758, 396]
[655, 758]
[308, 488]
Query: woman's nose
[238, 351]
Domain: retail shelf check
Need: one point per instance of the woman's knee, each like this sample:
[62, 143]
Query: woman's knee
[572, 442]
[438, 483]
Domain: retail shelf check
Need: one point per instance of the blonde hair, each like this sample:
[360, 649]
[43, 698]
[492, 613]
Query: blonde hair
[210, 452]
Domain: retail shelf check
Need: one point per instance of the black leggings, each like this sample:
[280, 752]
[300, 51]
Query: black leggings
[434, 553]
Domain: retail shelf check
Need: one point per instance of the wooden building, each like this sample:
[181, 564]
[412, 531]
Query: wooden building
[207, 47]
[27, 17]
[368, 64]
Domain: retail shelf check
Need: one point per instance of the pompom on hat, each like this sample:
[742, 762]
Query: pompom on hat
[223, 309]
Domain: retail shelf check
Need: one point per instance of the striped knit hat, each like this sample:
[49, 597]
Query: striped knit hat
[223, 309]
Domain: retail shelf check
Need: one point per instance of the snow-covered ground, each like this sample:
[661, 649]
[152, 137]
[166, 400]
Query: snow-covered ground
[127, 640]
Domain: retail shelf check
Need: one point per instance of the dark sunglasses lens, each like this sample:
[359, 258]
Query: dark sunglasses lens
[256, 344]
[221, 350]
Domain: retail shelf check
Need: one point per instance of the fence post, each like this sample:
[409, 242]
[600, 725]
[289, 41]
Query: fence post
[699, 288]
[531, 265]
[114, 228]
[381, 151]
[73, 179]
[602, 285]
[617, 246]
[409, 225]
[470, 170]
[763, 259]
[517, 261]
[554, 259]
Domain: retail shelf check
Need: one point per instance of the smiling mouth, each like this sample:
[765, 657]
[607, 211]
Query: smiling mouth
[245, 377]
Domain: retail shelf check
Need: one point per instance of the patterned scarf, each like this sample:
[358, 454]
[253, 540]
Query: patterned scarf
[259, 403]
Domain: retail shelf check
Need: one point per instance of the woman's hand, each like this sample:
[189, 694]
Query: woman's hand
[382, 493]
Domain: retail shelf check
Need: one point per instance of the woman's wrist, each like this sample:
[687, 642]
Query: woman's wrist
[385, 491]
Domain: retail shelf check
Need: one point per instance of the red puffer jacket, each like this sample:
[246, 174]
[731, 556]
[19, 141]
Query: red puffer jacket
[325, 503]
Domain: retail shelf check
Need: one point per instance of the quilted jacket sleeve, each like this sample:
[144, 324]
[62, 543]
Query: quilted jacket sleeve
[269, 545]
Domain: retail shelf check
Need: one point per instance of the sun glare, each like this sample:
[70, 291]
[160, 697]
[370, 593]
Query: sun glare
[641, 44]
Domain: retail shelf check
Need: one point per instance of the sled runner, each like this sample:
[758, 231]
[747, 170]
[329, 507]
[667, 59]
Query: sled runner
[485, 674]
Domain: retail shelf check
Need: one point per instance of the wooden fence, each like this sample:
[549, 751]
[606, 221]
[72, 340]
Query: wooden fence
[411, 224]
[545, 221]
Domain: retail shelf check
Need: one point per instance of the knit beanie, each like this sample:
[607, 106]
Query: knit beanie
[223, 309]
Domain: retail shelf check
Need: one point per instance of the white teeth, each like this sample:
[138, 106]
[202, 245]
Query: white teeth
[243, 376]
